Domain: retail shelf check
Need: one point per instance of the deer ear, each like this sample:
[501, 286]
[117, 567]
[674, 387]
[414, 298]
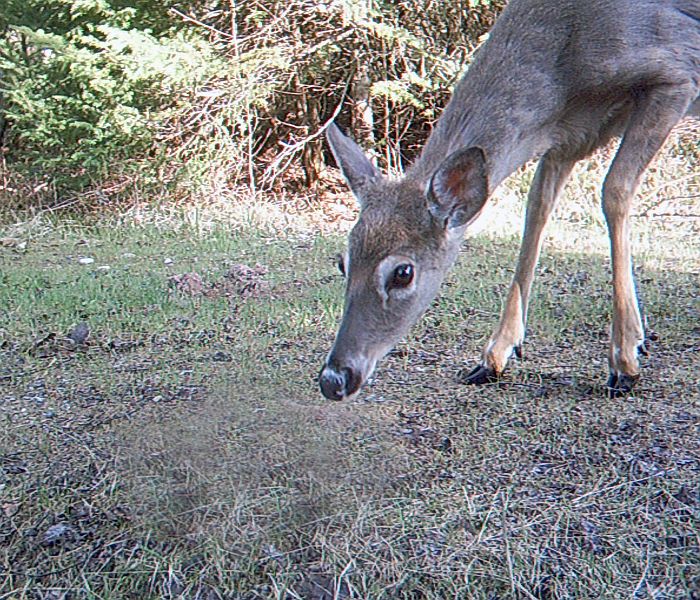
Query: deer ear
[355, 166]
[458, 190]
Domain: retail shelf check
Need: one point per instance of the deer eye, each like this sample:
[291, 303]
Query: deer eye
[340, 263]
[402, 276]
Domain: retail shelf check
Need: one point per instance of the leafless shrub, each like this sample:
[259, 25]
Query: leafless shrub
[386, 70]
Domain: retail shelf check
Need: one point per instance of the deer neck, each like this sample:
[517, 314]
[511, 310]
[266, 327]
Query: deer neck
[503, 106]
[508, 135]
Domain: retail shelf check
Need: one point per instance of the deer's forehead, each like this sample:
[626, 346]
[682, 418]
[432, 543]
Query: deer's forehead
[394, 217]
[377, 235]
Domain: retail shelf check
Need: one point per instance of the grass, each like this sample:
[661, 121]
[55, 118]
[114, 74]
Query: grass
[182, 450]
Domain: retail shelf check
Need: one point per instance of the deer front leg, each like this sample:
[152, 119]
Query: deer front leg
[549, 179]
[655, 114]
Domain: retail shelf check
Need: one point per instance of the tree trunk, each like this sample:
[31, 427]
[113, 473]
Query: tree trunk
[362, 115]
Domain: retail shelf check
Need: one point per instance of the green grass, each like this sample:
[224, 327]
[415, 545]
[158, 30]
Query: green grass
[186, 449]
[126, 288]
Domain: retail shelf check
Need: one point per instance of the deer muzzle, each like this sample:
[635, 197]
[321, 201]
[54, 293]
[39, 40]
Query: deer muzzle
[339, 384]
[342, 378]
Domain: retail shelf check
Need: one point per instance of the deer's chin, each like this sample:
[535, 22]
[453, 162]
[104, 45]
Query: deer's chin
[351, 397]
[365, 373]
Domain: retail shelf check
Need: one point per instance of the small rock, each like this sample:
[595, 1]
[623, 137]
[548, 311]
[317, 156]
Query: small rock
[58, 534]
[222, 357]
[168, 261]
[79, 334]
[103, 268]
[86, 260]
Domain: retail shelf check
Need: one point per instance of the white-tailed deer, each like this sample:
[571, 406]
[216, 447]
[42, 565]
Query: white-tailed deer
[555, 80]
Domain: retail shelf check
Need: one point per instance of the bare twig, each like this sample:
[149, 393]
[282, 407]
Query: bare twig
[284, 158]
[199, 23]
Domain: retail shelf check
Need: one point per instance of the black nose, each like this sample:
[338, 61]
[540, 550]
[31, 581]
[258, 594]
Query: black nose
[333, 383]
[337, 384]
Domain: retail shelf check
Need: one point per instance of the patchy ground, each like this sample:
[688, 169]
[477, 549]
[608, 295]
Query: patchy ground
[163, 436]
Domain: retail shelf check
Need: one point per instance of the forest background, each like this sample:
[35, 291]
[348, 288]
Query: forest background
[104, 101]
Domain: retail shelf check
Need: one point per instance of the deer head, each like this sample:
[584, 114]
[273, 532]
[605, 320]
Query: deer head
[406, 238]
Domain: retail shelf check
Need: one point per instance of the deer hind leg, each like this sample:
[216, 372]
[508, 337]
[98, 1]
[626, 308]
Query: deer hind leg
[549, 179]
[653, 117]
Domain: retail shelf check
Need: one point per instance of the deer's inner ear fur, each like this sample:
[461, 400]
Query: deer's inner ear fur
[355, 166]
[458, 190]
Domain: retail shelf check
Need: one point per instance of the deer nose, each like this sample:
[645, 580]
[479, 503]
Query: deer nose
[338, 384]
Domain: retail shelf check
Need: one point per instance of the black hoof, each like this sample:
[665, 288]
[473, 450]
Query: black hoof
[620, 385]
[518, 351]
[478, 376]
